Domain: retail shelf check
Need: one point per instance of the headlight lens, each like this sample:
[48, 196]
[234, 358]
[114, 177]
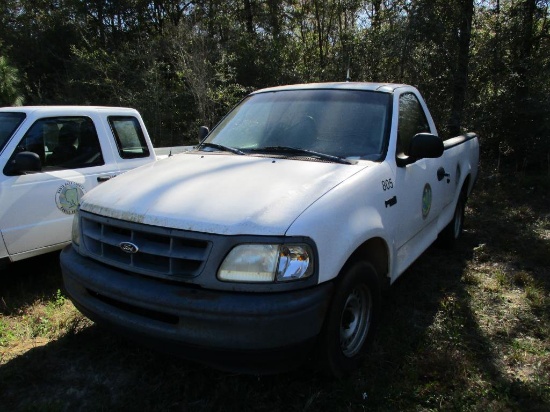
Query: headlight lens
[295, 262]
[75, 233]
[267, 263]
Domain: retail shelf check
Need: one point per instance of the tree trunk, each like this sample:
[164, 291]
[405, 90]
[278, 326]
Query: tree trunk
[524, 125]
[460, 83]
[274, 17]
[248, 16]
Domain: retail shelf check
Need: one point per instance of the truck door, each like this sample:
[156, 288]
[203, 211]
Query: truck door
[421, 195]
[38, 205]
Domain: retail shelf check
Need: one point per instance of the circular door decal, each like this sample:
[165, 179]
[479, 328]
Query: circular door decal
[426, 200]
[68, 197]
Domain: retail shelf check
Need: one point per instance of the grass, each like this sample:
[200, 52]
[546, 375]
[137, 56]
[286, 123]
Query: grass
[466, 330]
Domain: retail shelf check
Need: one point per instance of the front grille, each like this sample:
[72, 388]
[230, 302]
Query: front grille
[164, 253]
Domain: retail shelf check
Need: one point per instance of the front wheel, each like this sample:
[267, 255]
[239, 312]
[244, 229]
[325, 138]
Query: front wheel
[351, 320]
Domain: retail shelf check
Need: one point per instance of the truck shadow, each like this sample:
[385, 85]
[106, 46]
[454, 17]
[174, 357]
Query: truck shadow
[94, 369]
[433, 349]
[438, 339]
[97, 370]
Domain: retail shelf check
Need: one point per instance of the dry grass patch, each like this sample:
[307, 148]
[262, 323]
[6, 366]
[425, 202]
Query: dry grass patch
[35, 325]
[466, 330]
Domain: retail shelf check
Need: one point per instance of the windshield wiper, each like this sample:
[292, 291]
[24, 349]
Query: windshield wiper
[221, 147]
[298, 151]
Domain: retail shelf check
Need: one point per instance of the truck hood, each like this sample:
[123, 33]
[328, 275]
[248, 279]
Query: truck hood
[218, 193]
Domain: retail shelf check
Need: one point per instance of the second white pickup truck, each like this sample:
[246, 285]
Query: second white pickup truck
[52, 155]
[275, 237]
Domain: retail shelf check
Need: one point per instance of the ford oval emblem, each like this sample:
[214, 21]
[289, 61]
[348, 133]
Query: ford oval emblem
[128, 247]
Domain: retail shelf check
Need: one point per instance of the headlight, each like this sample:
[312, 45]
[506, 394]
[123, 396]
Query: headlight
[75, 233]
[267, 263]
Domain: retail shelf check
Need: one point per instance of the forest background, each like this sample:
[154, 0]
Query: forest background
[482, 65]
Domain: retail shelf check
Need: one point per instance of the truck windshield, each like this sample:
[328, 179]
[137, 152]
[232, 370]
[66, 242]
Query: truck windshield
[348, 124]
[9, 122]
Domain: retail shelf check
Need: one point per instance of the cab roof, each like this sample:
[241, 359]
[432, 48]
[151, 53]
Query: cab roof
[379, 87]
[65, 108]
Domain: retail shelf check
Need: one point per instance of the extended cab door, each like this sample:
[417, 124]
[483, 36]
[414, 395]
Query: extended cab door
[422, 193]
[52, 163]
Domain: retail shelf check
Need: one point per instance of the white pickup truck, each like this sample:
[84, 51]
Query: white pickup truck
[278, 233]
[50, 156]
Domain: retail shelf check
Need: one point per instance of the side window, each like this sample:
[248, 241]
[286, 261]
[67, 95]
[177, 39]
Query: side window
[63, 143]
[9, 122]
[129, 137]
[412, 120]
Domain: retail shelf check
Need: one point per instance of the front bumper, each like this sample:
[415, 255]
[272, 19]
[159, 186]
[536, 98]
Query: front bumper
[192, 322]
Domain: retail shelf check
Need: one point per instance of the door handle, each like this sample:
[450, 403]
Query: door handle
[101, 179]
[441, 174]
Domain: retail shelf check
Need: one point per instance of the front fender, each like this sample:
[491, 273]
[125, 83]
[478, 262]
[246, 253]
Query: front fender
[344, 219]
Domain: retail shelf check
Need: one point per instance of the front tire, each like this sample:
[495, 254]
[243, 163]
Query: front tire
[351, 320]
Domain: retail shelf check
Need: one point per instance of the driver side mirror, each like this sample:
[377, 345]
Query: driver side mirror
[23, 163]
[422, 146]
[203, 132]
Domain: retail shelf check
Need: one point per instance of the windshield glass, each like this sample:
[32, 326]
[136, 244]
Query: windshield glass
[344, 123]
[9, 122]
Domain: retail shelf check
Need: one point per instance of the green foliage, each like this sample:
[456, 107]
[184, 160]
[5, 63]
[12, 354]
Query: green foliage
[9, 85]
[6, 335]
[183, 64]
[513, 83]
[58, 301]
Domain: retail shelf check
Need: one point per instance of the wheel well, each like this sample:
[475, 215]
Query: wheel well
[375, 251]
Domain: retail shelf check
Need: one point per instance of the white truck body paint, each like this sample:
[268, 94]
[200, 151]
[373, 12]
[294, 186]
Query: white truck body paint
[193, 191]
[281, 227]
[32, 219]
[338, 206]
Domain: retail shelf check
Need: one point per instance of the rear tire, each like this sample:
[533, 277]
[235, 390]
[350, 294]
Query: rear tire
[451, 233]
[351, 320]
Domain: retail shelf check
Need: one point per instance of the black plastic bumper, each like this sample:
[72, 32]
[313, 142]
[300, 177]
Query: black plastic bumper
[194, 323]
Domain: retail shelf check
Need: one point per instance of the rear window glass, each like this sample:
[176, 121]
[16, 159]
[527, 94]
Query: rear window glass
[129, 137]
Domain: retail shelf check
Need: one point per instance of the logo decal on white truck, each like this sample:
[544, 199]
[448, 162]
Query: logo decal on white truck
[67, 197]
